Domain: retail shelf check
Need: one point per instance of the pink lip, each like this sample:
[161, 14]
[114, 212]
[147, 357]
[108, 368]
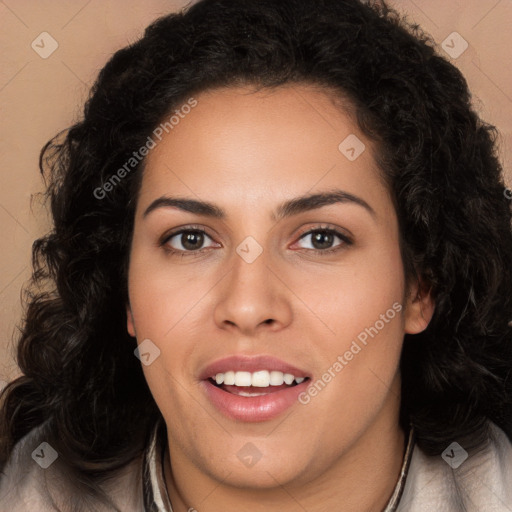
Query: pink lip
[250, 364]
[255, 408]
[258, 408]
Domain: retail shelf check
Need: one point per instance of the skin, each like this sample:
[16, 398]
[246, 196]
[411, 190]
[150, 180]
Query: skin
[247, 152]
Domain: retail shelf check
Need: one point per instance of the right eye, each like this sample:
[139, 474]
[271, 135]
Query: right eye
[186, 240]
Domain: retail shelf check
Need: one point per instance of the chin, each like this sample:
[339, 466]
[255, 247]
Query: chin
[272, 470]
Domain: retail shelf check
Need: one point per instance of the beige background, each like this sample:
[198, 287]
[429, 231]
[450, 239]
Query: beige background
[39, 97]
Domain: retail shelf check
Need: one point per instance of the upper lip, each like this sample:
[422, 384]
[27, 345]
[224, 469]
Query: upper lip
[250, 364]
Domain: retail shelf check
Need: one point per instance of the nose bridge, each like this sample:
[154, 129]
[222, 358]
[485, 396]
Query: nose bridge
[250, 264]
[252, 294]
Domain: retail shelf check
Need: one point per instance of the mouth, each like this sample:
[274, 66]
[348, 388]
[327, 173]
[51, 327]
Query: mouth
[254, 396]
[251, 384]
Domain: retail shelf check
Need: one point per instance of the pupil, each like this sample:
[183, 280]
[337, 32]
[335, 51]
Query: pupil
[325, 236]
[187, 239]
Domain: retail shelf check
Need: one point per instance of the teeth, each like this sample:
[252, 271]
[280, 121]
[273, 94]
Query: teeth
[288, 378]
[259, 379]
[244, 393]
[229, 378]
[276, 378]
[242, 378]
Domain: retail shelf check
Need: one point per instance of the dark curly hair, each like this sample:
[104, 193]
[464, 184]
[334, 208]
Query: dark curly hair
[80, 378]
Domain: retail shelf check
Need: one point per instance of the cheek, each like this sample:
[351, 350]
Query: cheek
[162, 296]
[364, 315]
[355, 296]
[168, 306]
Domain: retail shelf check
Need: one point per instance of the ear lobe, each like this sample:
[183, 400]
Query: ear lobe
[130, 326]
[419, 309]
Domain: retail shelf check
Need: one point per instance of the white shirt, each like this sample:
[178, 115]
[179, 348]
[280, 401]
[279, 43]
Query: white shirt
[482, 482]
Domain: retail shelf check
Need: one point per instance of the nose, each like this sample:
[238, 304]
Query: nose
[253, 296]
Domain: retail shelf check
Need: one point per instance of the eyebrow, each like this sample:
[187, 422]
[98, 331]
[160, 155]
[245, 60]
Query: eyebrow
[287, 209]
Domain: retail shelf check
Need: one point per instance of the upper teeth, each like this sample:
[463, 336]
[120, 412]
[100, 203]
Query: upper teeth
[260, 379]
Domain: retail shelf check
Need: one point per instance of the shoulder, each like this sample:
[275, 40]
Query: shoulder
[35, 478]
[457, 480]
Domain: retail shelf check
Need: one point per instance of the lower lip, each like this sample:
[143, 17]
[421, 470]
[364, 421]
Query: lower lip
[253, 408]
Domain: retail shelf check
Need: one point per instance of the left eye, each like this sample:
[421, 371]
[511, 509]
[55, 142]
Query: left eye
[322, 239]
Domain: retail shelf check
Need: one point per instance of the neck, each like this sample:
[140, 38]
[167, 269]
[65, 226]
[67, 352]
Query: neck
[362, 478]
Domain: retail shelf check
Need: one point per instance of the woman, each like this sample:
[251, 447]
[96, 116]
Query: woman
[281, 273]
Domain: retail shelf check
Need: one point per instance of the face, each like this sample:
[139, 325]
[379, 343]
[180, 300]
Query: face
[293, 269]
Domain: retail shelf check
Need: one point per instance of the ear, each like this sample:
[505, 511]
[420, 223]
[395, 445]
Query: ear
[419, 308]
[130, 326]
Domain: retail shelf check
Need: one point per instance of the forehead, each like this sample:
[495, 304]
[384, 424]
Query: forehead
[270, 143]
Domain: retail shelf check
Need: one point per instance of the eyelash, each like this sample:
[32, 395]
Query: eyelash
[196, 229]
